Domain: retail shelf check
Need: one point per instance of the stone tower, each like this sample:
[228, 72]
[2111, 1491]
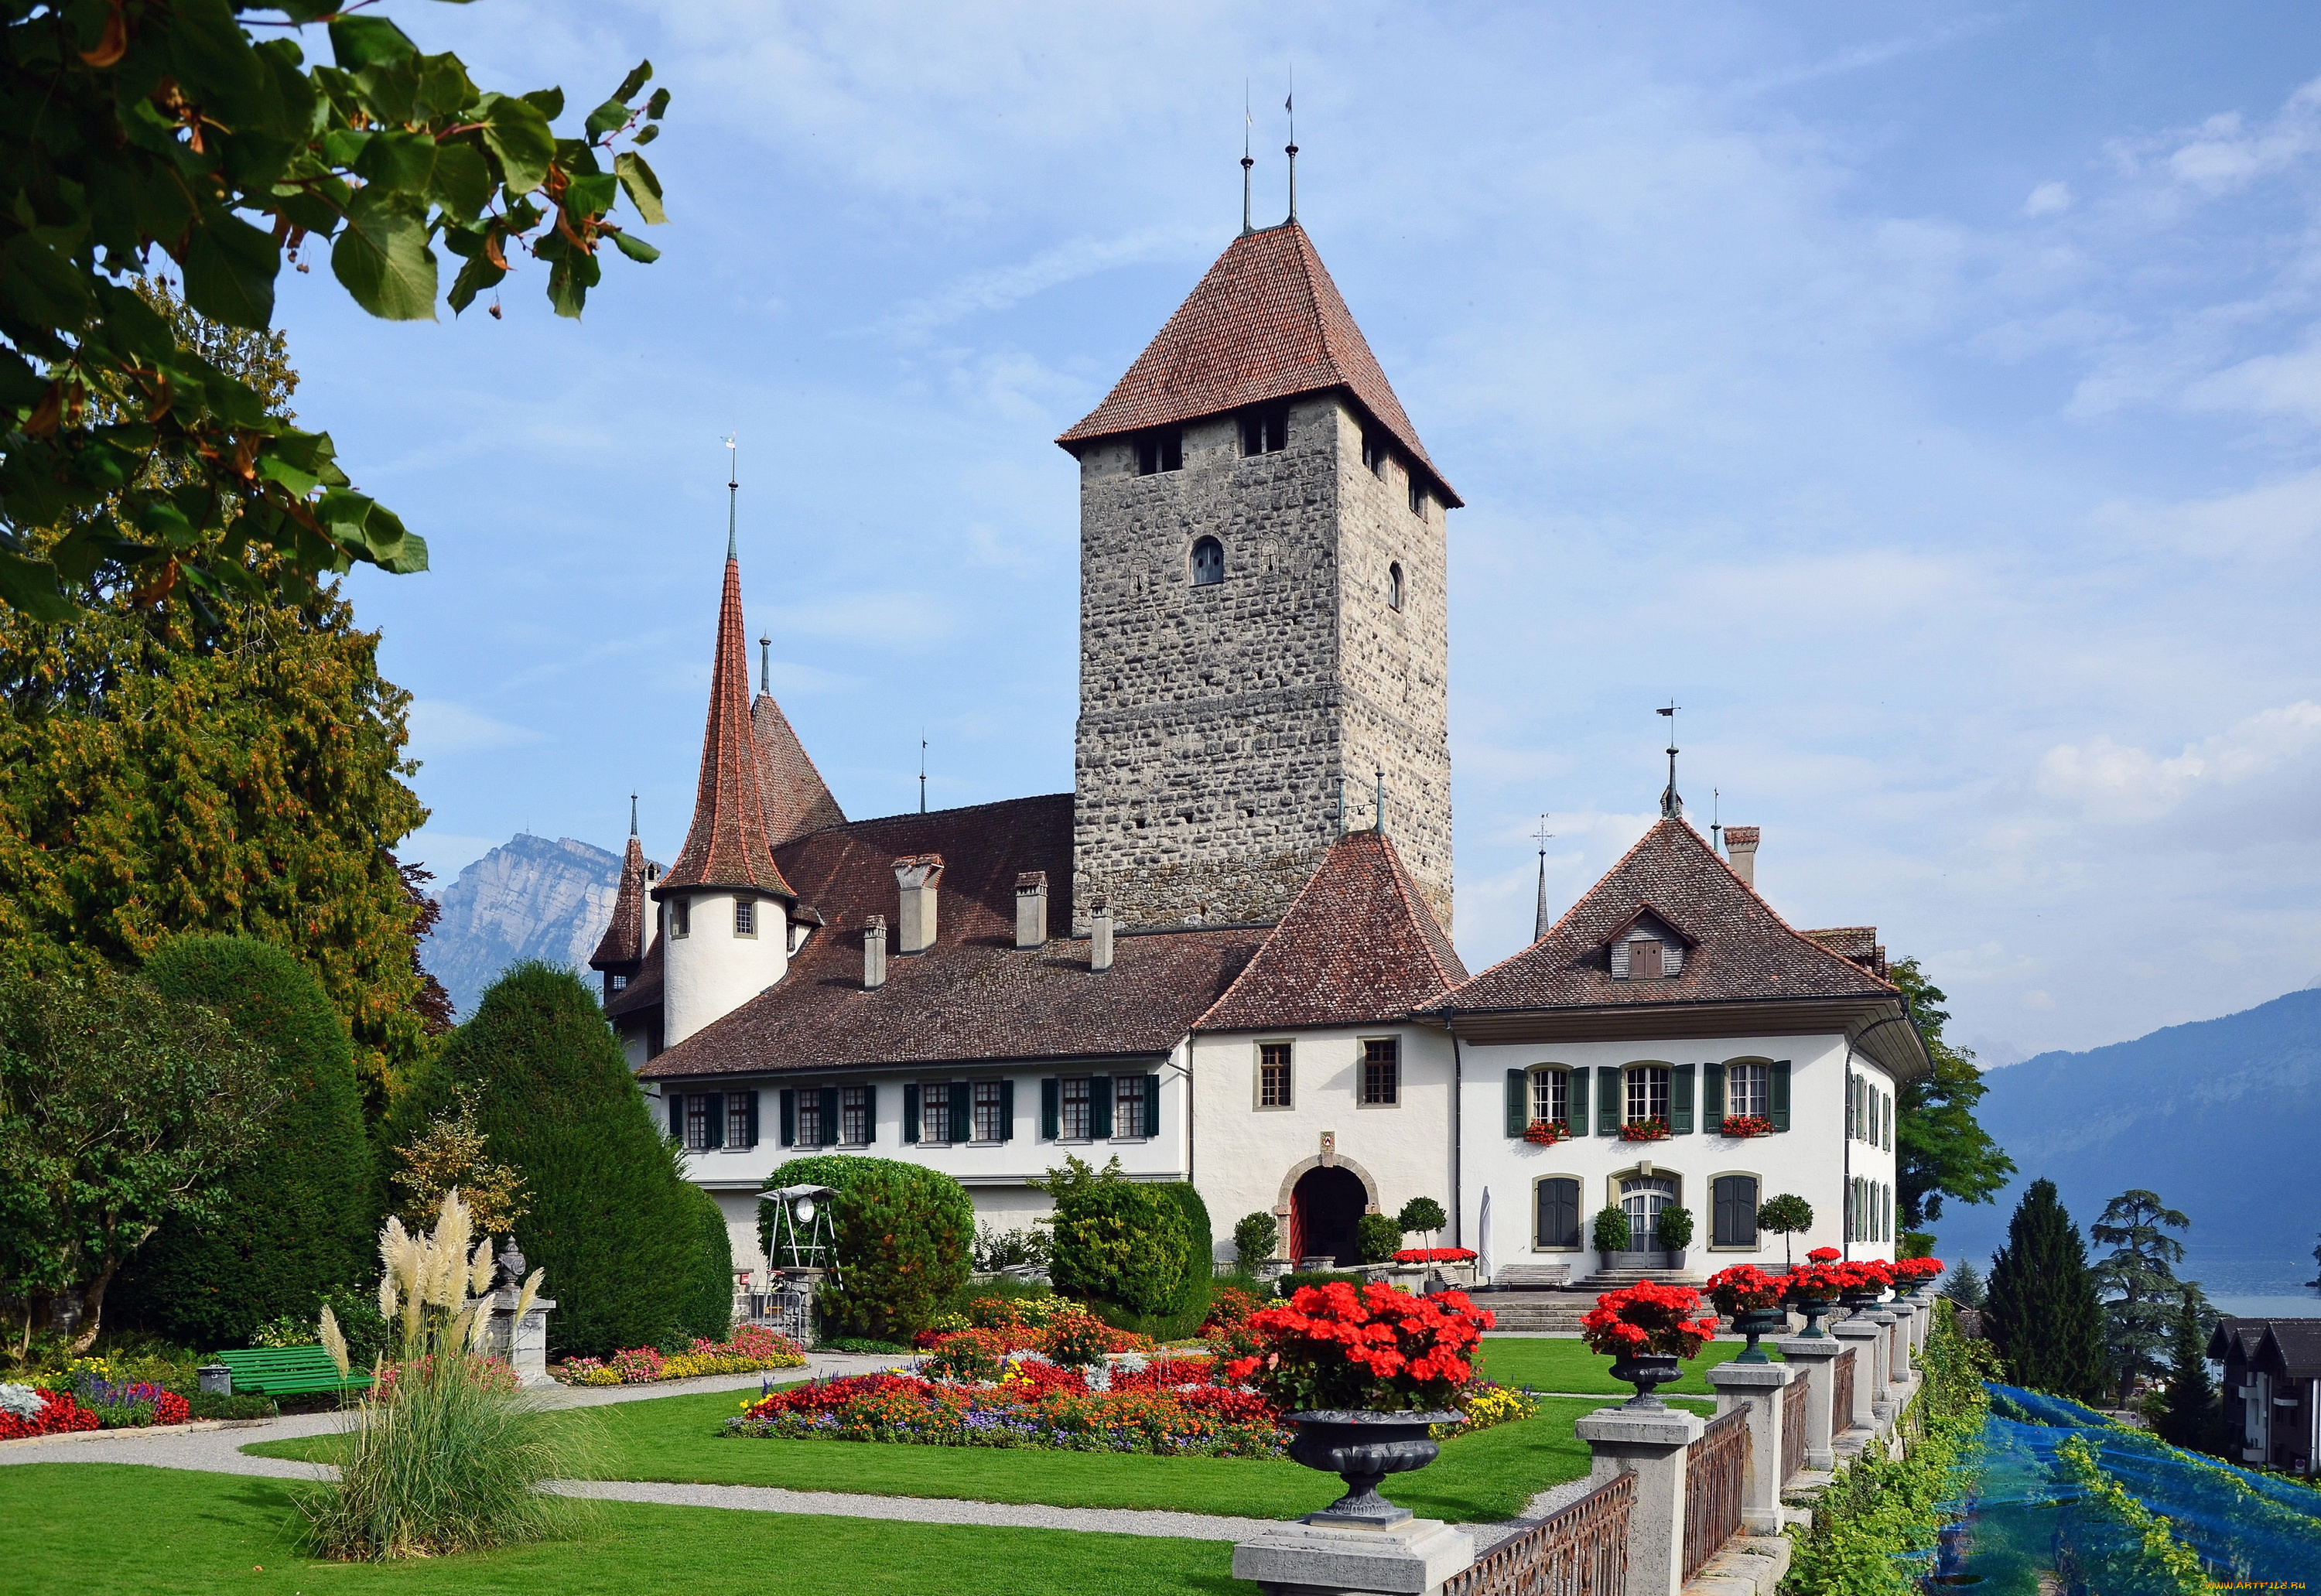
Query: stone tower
[1263, 619]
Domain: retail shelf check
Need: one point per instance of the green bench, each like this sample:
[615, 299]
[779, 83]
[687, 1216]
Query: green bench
[288, 1371]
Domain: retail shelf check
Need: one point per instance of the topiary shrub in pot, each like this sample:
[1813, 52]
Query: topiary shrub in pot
[1610, 1232]
[1675, 1230]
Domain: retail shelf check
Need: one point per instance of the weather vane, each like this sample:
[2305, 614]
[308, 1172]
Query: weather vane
[1671, 805]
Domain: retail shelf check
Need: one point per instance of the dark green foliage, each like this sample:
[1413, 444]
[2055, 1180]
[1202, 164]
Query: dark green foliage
[1126, 1243]
[239, 1405]
[1377, 1238]
[1422, 1214]
[1785, 1216]
[2137, 1282]
[1291, 1284]
[2042, 1311]
[705, 1308]
[1255, 1237]
[1964, 1285]
[905, 1233]
[1200, 1241]
[612, 1220]
[1675, 1228]
[2189, 1415]
[1611, 1229]
[299, 1214]
[1939, 1149]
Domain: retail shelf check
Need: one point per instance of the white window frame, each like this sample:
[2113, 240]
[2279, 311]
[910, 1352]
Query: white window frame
[1762, 1075]
[854, 1106]
[1066, 1129]
[927, 1098]
[808, 1101]
[1546, 1081]
[1637, 1081]
[1122, 1084]
[986, 1094]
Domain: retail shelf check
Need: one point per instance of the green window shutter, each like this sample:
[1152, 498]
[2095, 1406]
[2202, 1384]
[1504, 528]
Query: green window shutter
[962, 1117]
[1680, 1080]
[1575, 1103]
[1152, 1105]
[1007, 1110]
[789, 1117]
[716, 1119]
[910, 1111]
[870, 1114]
[676, 1114]
[1518, 1101]
[1099, 1107]
[750, 1101]
[830, 1116]
[1608, 1100]
[1780, 1094]
[1712, 1098]
[1049, 1115]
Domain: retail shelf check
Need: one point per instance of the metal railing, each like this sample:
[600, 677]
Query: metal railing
[1840, 1407]
[1581, 1551]
[1713, 1470]
[1793, 1423]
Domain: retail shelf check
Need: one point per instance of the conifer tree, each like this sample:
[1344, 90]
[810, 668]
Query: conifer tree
[298, 1213]
[1964, 1285]
[2042, 1311]
[2138, 1282]
[2189, 1416]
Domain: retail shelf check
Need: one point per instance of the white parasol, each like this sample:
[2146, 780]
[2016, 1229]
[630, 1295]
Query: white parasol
[1483, 1242]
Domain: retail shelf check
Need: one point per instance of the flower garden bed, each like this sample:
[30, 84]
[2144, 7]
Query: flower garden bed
[93, 1400]
[749, 1350]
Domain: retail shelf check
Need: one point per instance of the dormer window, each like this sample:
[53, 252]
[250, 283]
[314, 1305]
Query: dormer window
[1265, 431]
[1209, 562]
[1647, 951]
[1160, 452]
[1644, 960]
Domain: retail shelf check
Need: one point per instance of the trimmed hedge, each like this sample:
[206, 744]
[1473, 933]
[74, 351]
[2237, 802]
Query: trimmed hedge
[706, 1307]
[1140, 1245]
[1200, 1237]
[300, 1214]
[904, 1234]
[611, 1219]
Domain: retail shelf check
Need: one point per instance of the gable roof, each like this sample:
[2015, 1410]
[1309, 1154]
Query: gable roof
[622, 947]
[792, 792]
[974, 996]
[727, 845]
[1356, 946]
[2289, 1348]
[1265, 322]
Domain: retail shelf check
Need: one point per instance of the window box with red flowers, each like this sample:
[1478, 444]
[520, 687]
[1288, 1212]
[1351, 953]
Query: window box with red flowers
[1647, 1327]
[1742, 1126]
[1655, 1129]
[1546, 1133]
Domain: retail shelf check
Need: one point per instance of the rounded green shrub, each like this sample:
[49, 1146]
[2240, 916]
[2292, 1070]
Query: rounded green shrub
[1424, 1215]
[1378, 1237]
[706, 1307]
[1200, 1240]
[1611, 1229]
[299, 1216]
[1675, 1228]
[1255, 1235]
[611, 1219]
[904, 1233]
[1129, 1243]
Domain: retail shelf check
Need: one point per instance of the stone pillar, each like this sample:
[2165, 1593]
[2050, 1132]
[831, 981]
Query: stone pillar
[1758, 1387]
[1815, 1361]
[1411, 1558]
[1904, 1340]
[1650, 1447]
[524, 1345]
[1861, 1338]
[1882, 1402]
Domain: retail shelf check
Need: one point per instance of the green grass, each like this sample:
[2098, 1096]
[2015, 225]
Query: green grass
[1546, 1362]
[1484, 1478]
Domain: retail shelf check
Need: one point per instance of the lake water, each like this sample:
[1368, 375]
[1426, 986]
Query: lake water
[2307, 1306]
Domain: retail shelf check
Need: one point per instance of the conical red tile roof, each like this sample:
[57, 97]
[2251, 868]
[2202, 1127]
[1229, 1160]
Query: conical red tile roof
[728, 845]
[622, 948]
[1265, 324]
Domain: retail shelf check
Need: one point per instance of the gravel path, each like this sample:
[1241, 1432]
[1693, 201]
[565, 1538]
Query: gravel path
[923, 1510]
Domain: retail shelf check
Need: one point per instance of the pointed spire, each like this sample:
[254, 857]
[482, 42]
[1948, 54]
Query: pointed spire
[1672, 805]
[733, 493]
[1381, 800]
[622, 948]
[632, 814]
[1290, 105]
[1540, 919]
[765, 665]
[1246, 228]
[728, 845]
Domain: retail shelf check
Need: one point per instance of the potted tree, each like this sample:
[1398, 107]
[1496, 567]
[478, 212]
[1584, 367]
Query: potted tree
[1753, 1300]
[1786, 1215]
[1611, 1232]
[1363, 1374]
[1675, 1228]
[1647, 1327]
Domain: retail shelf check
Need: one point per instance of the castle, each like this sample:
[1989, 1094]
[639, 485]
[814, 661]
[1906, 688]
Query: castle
[1224, 956]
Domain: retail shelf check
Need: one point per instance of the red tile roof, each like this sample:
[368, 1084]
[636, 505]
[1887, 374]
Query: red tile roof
[728, 845]
[974, 995]
[1740, 949]
[622, 948]
[1357, 946]
[1857, 943]
[796, 798]
[1265, 324]
[642, 995]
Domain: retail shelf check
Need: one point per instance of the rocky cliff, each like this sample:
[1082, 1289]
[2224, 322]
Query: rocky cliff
[527, 898]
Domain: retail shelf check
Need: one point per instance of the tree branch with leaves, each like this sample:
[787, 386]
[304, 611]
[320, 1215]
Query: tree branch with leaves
[1940, 1150]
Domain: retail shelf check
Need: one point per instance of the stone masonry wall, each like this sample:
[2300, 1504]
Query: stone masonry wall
[1216, 722]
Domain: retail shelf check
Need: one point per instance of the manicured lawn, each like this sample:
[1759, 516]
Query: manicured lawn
[97, 1529]
[1479, 1478]
[1546, 1362]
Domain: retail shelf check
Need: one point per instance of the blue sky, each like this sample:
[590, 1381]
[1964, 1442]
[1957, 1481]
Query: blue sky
[1926, 397]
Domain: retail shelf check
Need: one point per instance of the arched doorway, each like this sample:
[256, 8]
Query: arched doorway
[1325, 1209]
[1643, 1196]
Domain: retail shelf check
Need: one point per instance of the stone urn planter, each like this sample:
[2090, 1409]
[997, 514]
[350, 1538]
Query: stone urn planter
[1647, 1372]
[1754, 1322]
[1814, 1310]
[1363, 1449]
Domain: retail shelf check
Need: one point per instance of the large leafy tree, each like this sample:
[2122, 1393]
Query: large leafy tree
[234, 766]
[135, 128]
[2137, 1280]
[1940, 1150]
[120, 1111]
[2041, 1308]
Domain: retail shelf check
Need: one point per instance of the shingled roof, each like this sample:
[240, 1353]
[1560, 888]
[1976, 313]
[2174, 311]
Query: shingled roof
[1356, 947]
[727, 845]
[974, 995]
[1266, 323]
[623, 946]
[1740, 952]
[796, 798]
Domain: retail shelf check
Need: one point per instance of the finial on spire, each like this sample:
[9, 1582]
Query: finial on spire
[1539, 921]
[1381, 799]
[733, 491]
[1290, 105]
[1246, 122]
[1716, 818]
[1671, 805]
[922, 772]
[766, 665]
[632, 814]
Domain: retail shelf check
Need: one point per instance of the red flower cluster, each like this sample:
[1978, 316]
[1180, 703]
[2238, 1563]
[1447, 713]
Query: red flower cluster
[1435, 1255]
[58, 1415]
[1166, 1374]
[1380, 1349]
[1229, 1310]
[1914, 1272]
[1647, 1318]
[1824, 1255]
[1747, 1124]
[1744, 1287]
[1644, 1130]
[1546, 1133]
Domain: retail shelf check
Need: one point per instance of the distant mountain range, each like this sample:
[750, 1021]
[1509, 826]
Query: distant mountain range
[527, 898]
[2222, 1117]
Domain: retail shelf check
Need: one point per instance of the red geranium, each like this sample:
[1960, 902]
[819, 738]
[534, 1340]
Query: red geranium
[1863, 1277]
[1378, 1349]
[1546, 1133]
[1647, 1319]
[1815, 1283]
[1435, 1255]
[1746, 1124]
[58, 1415]
[1914, 1272]
[1745, 1289]
[1644, 1130]
[1824, 1255]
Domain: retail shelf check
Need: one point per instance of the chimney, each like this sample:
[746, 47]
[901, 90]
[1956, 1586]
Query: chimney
[1100, 937]
[874, 953]
[1031, 908]
[1740, 853]
[917, 875]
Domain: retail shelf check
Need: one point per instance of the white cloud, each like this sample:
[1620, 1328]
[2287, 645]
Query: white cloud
[2048, 199]
[439, 727]
[2037, 1001]
[2273, 518]
[2117, 784]
[2285, 384]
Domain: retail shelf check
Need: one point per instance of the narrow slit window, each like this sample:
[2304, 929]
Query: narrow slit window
[1273, 1075]
[1374, 453]
[1419, 497]
[680, 916]
[1382, 1072]
[1394, 587]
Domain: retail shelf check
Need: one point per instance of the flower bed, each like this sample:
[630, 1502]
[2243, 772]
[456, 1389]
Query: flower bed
[1644, 1130]
[750, 1349]
[130, 1404]
[36, 1411]
[1745, 1125]
[971, 1346]
[1435, 1255]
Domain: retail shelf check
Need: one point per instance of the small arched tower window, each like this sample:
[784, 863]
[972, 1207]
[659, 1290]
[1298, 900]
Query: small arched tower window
[1208, 562]
[1394, 586]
